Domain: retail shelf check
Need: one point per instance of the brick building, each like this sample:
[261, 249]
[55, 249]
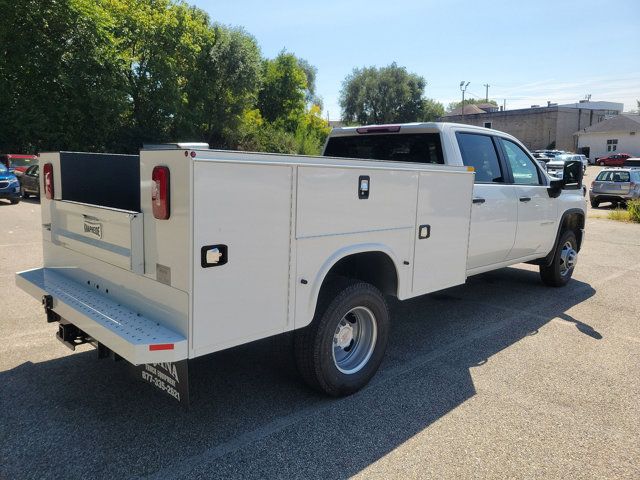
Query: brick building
[552, 126]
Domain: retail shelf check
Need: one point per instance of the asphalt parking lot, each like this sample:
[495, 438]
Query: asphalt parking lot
[499, 378]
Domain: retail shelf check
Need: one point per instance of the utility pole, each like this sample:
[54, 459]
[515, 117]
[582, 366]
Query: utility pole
[486, 94]
[463, 89]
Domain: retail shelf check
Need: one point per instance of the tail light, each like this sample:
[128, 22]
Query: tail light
[160, 193]
[47, 172]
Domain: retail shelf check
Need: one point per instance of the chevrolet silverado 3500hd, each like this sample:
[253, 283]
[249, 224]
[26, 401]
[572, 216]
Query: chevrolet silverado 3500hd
[186, 251]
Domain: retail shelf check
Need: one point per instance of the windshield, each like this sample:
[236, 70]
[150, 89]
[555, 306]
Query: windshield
[613, 176]
[21, 162]
[401, 147]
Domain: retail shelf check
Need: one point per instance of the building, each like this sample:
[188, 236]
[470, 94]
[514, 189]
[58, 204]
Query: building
[552, 126]
[617, 134]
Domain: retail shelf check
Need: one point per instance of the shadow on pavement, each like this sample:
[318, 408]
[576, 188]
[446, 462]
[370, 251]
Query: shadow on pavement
[250, 415]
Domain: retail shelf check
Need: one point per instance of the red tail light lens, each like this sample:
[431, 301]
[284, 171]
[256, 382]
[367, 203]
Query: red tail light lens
[160, 193]
[47, 172]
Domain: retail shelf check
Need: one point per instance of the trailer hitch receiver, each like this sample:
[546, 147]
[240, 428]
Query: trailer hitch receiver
[47, 303]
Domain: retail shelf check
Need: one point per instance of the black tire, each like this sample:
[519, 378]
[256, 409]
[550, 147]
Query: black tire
[595, 203]
[314, 345]
[15, 201]
[601, 164]
[23, 192]
[559, 272]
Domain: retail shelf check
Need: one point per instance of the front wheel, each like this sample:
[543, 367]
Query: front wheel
[601, 164]
[564, 261]
[344, 345]
[595, 203]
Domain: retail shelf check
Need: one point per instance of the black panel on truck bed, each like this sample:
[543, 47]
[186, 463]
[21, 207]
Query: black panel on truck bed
[104, 179]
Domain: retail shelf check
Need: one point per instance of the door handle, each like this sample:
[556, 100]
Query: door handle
[479, 200]
[525, 199]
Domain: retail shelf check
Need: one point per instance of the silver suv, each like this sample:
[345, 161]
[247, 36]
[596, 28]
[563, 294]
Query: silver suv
[615, 185]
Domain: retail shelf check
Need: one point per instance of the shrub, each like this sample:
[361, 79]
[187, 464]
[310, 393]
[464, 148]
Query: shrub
[633, 208]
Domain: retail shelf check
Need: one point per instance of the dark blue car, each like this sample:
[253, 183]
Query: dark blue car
[9, 185]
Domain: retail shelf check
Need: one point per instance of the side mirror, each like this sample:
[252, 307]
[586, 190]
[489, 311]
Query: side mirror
[572, 175]
[555, 188]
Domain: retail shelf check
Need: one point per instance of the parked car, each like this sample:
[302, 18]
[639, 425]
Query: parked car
[541, 157]
[613, 160]
[18, 163]
[9, 185]
[30, 182]
[615, 185]
[555, 167]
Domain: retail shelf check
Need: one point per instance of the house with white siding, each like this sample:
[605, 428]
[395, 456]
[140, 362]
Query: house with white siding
[618, 134]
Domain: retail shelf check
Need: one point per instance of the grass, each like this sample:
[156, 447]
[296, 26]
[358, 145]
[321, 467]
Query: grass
[631, 214]
[619, 215]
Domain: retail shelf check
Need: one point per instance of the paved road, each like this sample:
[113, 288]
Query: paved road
[500, 378]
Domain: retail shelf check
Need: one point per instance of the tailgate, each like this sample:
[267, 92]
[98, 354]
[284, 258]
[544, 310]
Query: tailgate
[109, 234]
[613, 188]
[132, 335]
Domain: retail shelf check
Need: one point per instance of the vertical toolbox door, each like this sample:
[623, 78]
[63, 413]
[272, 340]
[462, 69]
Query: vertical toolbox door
[442, 230]
[242, 219]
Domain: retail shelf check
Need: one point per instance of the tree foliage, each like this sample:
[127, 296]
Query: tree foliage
[112, 74]
[385, 95]
[469, 101]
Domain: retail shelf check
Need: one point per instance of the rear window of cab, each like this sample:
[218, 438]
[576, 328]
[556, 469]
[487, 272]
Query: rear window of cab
[399, 147]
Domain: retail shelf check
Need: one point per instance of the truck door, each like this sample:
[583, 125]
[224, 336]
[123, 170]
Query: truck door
[536, 210]
[494, 211]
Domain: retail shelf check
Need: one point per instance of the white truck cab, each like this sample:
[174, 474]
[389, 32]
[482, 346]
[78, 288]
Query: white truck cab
[185, 251]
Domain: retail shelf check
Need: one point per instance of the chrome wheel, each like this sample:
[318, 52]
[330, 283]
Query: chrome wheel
[568, 258]
[354, 340]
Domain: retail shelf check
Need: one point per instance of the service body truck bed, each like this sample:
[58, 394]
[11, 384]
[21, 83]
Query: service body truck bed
[187, 251]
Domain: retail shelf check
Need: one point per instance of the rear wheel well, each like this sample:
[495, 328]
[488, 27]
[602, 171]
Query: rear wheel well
[375, 268]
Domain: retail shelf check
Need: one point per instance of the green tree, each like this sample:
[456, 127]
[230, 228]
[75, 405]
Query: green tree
[469, 101]
[281, 98]
[222, 88]
[311, 73]
[60, 79]
[431, 110]
[384, 95]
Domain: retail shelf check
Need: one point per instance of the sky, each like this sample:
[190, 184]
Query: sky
[529, 52]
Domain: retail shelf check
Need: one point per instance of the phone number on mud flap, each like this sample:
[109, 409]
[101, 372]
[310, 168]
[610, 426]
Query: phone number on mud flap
[161, 385]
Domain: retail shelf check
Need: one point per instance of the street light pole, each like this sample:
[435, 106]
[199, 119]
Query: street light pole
[463, 88]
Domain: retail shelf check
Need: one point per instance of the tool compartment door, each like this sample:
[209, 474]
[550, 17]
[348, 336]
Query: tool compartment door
[443, 215]
[244, 212]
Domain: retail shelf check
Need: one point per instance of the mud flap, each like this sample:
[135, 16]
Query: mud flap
[171, 378]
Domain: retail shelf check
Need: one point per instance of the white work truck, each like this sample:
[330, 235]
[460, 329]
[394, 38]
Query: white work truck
[183, 251]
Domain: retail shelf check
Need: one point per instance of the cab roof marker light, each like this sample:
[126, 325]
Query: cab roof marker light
[161, 346]
[379, 129]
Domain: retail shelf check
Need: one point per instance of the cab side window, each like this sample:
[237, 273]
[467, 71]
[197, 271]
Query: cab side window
[522, 167]
[479, 151]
